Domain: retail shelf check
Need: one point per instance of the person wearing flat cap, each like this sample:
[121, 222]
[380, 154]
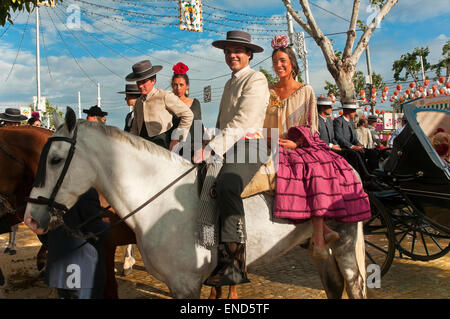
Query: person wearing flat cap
[95, 114]
[12, 117]
[155, 108]
[241, 116]
[132, 93]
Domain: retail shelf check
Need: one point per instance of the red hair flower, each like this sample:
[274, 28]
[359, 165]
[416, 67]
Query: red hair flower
[180, 68]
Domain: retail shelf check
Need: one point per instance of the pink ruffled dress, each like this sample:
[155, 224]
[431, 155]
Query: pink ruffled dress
[314, 181]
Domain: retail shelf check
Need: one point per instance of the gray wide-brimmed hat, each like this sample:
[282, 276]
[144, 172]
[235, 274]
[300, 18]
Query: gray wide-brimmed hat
[324, 101]
[95, 111]
[350, 104]
[238, 37]
[131, 89]
[12, 115]
[143, 70]
[372, 118]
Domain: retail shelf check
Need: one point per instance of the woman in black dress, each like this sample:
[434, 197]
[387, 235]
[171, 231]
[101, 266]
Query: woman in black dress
[180, 87]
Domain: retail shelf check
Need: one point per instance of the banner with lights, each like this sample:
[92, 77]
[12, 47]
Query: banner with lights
[191, 15]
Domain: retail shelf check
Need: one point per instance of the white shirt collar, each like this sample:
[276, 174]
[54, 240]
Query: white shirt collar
[345, 118]
[324, 118]
[240, 72]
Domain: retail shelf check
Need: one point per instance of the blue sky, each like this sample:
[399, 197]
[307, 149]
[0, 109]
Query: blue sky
[110, 39]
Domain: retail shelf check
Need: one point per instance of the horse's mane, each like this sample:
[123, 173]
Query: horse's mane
[133, 140]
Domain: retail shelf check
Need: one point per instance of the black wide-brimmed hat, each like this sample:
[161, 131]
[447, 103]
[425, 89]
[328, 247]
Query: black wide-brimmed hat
[12, 115]
[131, 89]
[324, 101]
[143, 70]
[373, 118]
[238, 37]
[95, 111]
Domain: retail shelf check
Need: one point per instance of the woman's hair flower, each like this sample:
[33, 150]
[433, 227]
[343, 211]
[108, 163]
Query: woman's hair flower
[36, 115]
[280, 41]
[180, 68]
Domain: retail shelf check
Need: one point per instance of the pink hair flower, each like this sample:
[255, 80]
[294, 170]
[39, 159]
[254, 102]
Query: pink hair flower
[280, 41]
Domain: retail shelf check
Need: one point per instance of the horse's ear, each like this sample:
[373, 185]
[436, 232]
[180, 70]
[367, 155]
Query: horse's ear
[71, 119]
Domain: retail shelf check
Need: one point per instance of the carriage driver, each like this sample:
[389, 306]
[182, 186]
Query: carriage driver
[242, 111]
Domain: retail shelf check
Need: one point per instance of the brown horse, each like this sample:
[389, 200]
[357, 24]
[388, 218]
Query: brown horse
[20, 150]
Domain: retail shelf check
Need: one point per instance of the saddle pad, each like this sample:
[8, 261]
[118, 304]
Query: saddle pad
[263, 181]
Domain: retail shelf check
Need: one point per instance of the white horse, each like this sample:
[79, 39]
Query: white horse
[128, 171]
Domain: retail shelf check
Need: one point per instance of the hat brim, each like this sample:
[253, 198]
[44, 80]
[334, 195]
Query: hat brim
[7, 118]
[221, 44]
[131, 93]
[132, 77]
[91, 114]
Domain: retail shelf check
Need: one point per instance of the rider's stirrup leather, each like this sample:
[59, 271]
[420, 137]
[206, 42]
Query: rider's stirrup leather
[231, 267]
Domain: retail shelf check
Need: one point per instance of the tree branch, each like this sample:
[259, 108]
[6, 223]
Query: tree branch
[296, 17]
[321, 40]
[351, 35]
[363, 42]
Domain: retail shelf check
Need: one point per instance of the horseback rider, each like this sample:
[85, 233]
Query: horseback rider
[242, 110]
[154, 109]
[12, 117]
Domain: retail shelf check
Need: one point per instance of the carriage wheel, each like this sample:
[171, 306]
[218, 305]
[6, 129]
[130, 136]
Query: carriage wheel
[417, 236]
[379, 236]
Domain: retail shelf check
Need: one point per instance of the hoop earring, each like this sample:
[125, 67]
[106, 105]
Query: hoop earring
[186, 93]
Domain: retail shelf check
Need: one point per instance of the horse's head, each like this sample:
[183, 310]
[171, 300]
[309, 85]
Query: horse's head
[61, 175]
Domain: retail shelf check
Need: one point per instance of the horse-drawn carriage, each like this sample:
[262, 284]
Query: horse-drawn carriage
[411, 214]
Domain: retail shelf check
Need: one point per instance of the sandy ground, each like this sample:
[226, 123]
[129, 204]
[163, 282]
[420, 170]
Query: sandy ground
[292, 276]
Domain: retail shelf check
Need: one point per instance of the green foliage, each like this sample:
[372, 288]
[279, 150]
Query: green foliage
[445, 62]
[271, 79]
[359, 81]
[410, 63]
[6, 6]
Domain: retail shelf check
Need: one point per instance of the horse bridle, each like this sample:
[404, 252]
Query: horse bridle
[52, 205]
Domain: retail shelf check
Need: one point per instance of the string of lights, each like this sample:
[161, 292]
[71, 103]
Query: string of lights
[20, 47]
[68, 49]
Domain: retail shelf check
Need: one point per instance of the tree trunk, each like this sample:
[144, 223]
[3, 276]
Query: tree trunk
[343, 76]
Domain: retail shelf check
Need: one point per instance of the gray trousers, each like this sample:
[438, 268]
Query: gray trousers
[241, 163]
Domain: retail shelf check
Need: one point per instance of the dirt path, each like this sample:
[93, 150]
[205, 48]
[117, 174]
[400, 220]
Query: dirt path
[292, 276]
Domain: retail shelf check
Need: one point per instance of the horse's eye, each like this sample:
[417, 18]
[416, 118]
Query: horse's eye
[55, 160]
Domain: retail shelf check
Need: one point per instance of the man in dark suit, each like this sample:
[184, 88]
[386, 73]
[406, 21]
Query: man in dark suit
[345, 136]
[326, 130]
[132, 93]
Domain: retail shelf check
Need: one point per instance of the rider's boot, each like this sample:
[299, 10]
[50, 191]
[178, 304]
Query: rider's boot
[231, 267]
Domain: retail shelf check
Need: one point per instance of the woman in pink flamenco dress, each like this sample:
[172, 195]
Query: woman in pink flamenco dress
[312, 181]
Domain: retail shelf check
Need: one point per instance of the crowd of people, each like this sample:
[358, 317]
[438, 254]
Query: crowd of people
[315, 179]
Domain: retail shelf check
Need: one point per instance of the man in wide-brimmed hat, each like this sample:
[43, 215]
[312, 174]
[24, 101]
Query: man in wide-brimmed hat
[326, 131]
[344, 128]
[132, 93]
[241, 114]
[95, 114]
[12, 117]
[154, 109]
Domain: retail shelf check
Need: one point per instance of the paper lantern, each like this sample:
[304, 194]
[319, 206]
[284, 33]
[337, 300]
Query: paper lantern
[374, 90]
[412, 85]
[447, 85]
[396, 93]
[377, 111]
[441, 79]
[386, 89]
[362, 92]
[442, 91]
[426, 82]
[399, 87]
[434, 87]
[421, 89]
[366, 109]
[402, 99]
[435, 94]
[408, 91]
[340, 113]
[382, 112]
